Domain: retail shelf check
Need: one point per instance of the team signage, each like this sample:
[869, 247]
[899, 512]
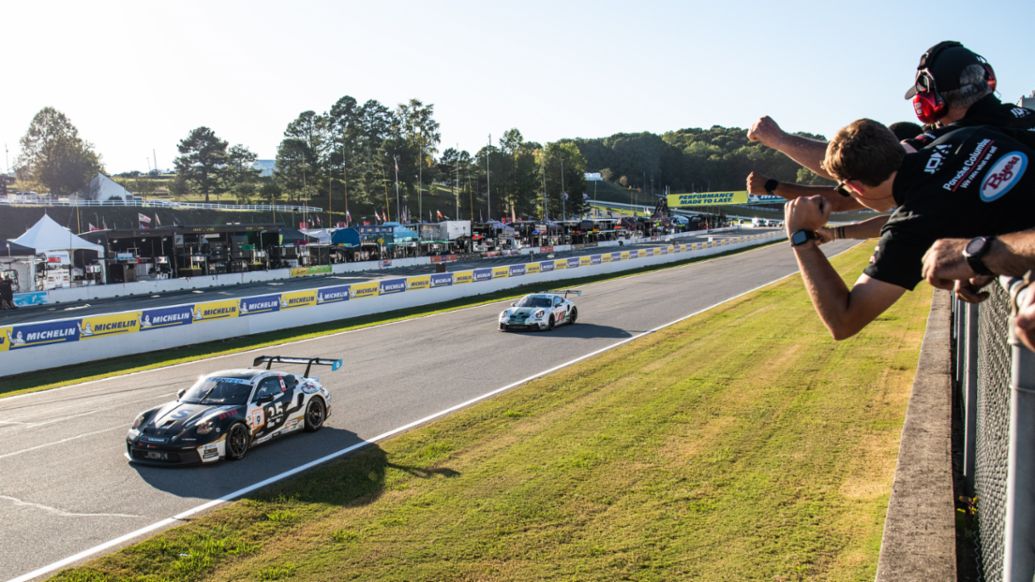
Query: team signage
[162, 317]
[368, 289]
[389, 286]
[418, 282]
[707, 198]
[441, 279]
[212, 310]
[293, 299]
[334, 294]
[257, 305]
[461, 277]
[41, 334]
[546, 266]
[517, 270]
[112, 324]
[482, 274]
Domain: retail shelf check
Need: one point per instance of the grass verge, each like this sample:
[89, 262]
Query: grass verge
[741, 444]
[87, 371]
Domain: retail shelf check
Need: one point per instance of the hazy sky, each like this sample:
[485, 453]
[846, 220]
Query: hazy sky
[136, 76]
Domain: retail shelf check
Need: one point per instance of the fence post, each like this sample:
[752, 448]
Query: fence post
[1019, 547]
[969, 339]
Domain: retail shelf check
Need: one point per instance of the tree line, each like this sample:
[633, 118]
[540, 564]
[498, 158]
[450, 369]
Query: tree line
[369, 158]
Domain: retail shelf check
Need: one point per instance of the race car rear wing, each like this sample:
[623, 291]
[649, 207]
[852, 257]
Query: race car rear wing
[567, 292]
[270, 360]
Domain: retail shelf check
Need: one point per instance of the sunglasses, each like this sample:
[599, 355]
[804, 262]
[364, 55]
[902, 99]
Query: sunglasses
[842, 188]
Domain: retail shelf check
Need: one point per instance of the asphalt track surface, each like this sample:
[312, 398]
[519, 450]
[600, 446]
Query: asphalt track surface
[66, 487]
[93, 307]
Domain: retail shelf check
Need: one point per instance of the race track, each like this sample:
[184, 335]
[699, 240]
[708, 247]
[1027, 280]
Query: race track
[65, 485]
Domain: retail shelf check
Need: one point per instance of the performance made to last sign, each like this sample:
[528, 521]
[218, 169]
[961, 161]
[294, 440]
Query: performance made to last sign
[707, 198]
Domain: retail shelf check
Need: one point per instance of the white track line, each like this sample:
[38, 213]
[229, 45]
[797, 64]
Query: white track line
[291, 472]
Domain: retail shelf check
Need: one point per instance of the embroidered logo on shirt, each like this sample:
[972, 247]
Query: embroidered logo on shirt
[1003, 176]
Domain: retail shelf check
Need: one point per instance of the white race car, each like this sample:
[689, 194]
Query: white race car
[540, 311]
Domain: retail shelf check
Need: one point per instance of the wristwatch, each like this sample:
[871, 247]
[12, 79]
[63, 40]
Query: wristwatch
[770, 186]
[975, 251]
[802, 236]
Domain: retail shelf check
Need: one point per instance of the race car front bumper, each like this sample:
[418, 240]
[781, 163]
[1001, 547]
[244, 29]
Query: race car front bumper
[138, 450]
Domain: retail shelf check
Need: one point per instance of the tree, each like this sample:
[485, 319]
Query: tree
[239, 174]
[202, 160]
[300, 155]
[54, 156]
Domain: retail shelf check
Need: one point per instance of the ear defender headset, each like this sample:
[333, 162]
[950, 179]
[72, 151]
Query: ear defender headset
[928, 102]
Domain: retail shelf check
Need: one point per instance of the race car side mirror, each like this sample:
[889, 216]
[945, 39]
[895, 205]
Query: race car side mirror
[180, 393]
[513, 303]
[265, 399]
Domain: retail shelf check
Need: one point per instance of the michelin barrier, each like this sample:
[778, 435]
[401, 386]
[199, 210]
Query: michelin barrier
[75, 340]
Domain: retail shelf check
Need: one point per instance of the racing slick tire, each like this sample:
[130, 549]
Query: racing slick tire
[573, 315]
[503, 327]
[238, 439]
[550, 324]
[315, 414]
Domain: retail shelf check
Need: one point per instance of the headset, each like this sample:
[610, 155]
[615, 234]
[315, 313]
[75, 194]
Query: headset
[928, 102]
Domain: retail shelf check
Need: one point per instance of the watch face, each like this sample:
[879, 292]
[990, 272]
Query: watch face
[799, 237]
[975, 246]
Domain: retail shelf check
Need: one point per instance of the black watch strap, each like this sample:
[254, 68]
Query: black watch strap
[802, 236]
[974, 253]
[770, 186]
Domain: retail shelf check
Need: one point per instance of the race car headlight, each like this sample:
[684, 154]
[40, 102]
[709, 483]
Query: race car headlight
[505, 314]
[139, 421]
[205, 427]
[539, 314]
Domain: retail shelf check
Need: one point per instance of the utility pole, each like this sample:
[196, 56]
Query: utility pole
[398, 205]
[488, 183]
[456, 184]
[564, 194]
[345, 176]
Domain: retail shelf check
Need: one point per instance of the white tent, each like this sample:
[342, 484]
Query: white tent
[47, 235]
[102, 188]
[322, 235]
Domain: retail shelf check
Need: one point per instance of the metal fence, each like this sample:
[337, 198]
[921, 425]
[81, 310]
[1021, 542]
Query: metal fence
[44, 201]
[994, 377]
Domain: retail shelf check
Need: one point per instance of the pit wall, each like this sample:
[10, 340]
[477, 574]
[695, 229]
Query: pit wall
[63, 342]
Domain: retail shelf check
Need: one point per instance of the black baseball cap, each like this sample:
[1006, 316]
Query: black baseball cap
[946, 61]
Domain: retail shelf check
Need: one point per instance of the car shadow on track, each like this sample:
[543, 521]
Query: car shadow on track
[579, 330]
[356, 477]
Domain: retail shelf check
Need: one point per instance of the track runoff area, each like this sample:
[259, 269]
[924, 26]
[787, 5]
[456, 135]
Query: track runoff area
[67, 492]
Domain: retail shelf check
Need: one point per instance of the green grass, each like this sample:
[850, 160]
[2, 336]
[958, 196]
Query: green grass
[89, 371]
[741, 444]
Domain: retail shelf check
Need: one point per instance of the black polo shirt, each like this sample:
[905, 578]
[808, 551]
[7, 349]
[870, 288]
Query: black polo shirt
[988, 111]
[969, 182]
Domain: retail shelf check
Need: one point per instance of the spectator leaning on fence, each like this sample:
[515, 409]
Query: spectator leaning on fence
[967, 265]
[968, 182]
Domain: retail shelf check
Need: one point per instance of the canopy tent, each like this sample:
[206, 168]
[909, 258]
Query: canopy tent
[102, 188]
[346, 237]
[322, 235]
[293, 236]
[400, 232]
[47, 235]
[10, 249]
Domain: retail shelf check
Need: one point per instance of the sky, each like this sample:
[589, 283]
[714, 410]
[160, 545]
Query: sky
[135, 77]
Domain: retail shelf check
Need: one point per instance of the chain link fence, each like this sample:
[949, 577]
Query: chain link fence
[993, 377]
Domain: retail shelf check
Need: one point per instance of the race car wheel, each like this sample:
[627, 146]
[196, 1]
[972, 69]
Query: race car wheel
[573, 315]
[315, 413]
[237, 441]
[549, 324]
[503, 327]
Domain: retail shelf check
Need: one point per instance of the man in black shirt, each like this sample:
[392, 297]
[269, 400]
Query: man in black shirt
[968, 182]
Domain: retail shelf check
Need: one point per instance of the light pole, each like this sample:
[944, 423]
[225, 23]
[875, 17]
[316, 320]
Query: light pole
[398, 205]
[488, 182]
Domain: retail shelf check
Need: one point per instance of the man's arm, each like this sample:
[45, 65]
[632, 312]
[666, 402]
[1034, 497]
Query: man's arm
[838, 203]
[804, 151]
[1011, 254]
[844, 311]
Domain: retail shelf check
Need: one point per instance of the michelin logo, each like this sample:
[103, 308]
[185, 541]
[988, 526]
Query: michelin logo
[1003, 176]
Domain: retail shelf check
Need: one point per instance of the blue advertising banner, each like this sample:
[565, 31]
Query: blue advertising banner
[546, 266]
[166, 317]
[517, 270]
[332, 294]
[617, 256]
[389, 286]
[482, 274]
[594, 259]
[30, 298]
[256, 305]
[573, 262]
[41, 334]
[441, 279]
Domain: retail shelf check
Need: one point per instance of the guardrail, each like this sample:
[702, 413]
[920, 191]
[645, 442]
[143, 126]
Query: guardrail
[994, 388]
[296, 208]
[68, 341]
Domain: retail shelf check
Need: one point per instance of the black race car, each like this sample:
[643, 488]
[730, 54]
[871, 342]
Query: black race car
[225, 413]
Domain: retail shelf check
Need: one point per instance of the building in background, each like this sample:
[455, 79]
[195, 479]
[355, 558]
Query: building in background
[1027, 101]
